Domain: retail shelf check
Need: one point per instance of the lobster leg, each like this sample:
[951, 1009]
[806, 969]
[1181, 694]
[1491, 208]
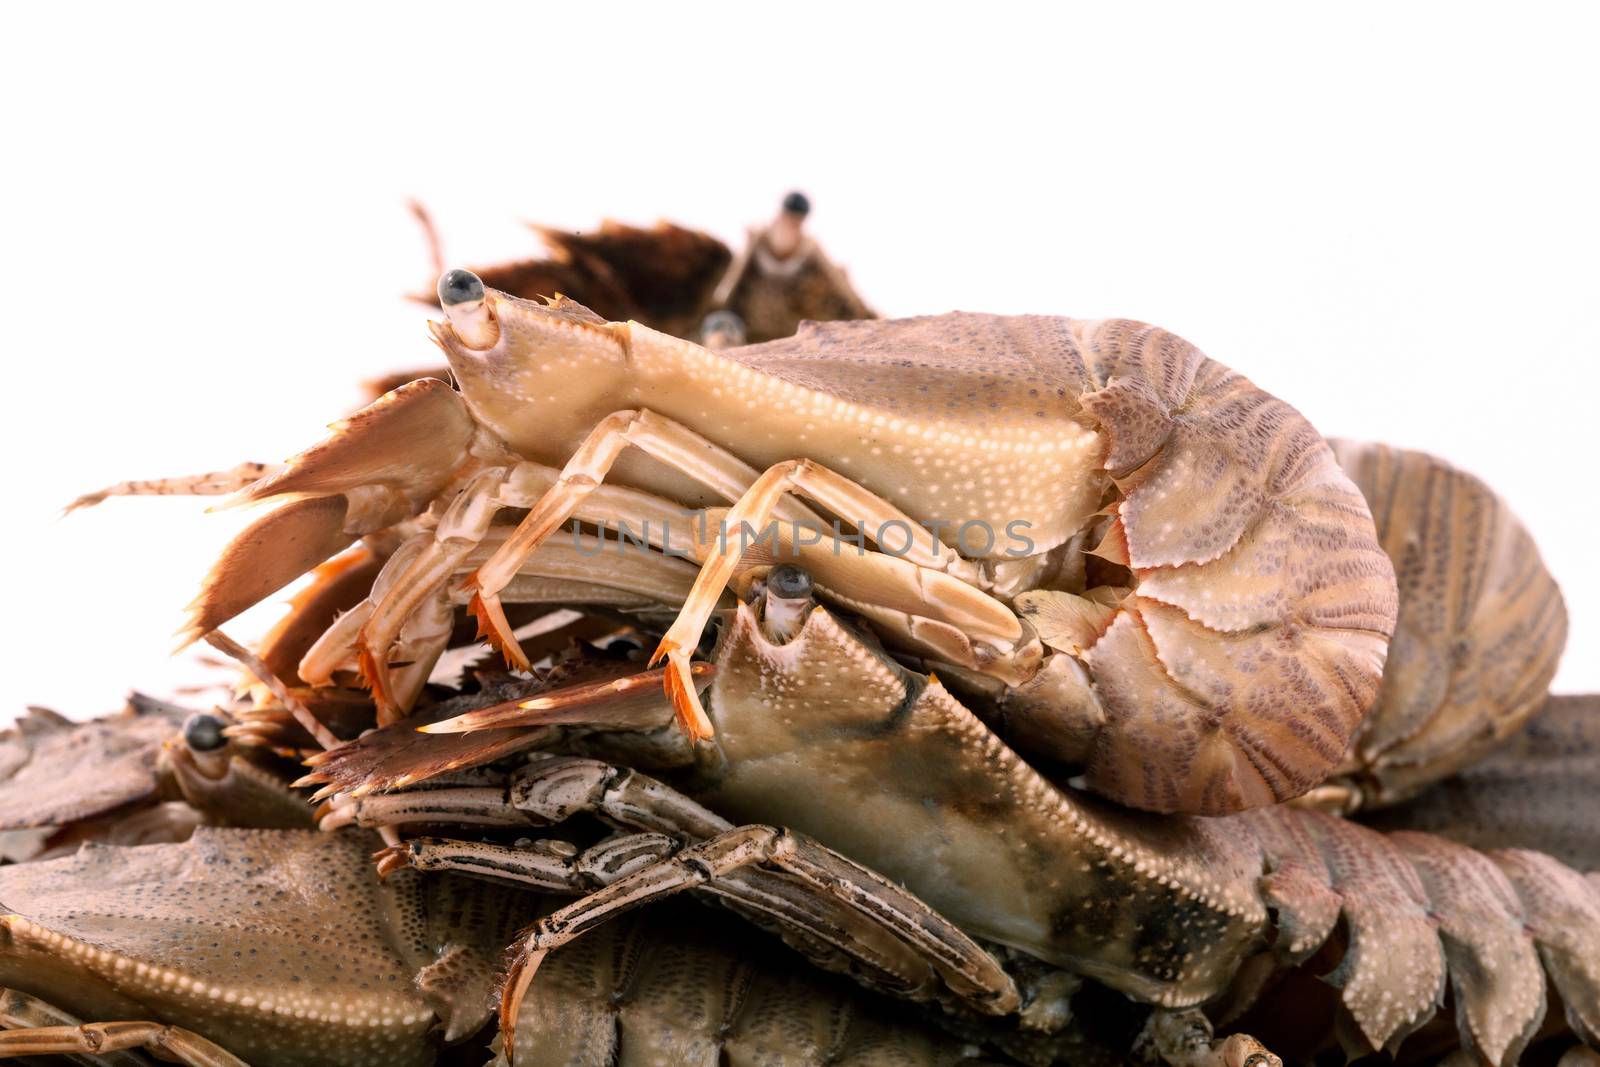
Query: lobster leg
[677, 446]
[549, 865]
[566, 572]
[562, 572]
[797, 886]
[36, 1028]
[419, 578]
[758, 499]
[800, 886]
[462, 526]
[550, 790]
[755, 509]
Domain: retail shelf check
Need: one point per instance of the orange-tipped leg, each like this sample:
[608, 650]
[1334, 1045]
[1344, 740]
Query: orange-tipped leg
[679, 681]
[374, 674]
[494, 627]
[630, 702]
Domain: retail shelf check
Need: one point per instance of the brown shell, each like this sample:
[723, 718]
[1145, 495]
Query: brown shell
[54, 772]
[680, 985]
[1481, 629]
[1236, 672]
[402, 449]
[413, 437]
[1252, 644]
[811, 289]
[1540, 790]
[1168, 910]
[280, 945]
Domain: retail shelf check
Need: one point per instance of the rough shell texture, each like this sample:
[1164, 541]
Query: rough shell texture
[1481, 628]
[1413, 910]
[1253, 641]
[282, 946]
[825, 735]
[676, 985]
[905, 780]
[54, 772]
[1541, 790]
[1251, 646]
[1249, 603]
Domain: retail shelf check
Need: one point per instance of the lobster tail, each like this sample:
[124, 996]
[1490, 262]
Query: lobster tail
[1250, 648]
[1417, 912]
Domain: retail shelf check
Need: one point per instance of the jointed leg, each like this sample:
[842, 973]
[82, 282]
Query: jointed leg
[419, 579]
[758, 499]
[840, 914]
[423, 639]
[815, 897]
[916, 959]
[823, 903]
[553, 866]
[549, 790]
[929, 577]
[755, 509]
[677, 446]
[35, 1028]
[213, 483]
[461, 527]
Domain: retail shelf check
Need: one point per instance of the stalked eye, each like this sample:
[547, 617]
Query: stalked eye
[203, 732]
[789, 582]
[722, 329]
[466, 305]
[459, 287]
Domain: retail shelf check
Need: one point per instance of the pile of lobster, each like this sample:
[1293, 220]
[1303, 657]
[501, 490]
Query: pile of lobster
[999, 689]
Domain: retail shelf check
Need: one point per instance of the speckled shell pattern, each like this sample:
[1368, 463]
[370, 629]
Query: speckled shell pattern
[279, 945]
[1419, 911]
[1252, 644]
[1238, 670]
[1481, 630]
[1539, 790]
[824, 734]
[1232, 675]
[283, 947]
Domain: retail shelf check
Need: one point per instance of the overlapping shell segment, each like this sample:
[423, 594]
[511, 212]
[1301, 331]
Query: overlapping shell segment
[1481, 629]
[1240, 661]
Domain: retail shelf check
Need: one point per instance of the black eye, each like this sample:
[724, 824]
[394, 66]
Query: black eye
[789, 582]
[203, 732]
[459, 287]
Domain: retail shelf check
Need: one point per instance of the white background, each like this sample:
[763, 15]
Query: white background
[1383, 213]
